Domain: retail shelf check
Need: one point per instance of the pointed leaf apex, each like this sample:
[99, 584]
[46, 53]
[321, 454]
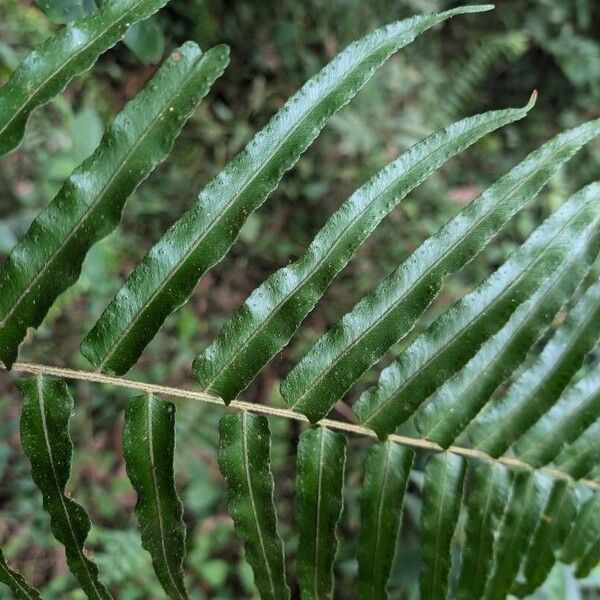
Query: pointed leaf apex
[532, 100]
[464, 10]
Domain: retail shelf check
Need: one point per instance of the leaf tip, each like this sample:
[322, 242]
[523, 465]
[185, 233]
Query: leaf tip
[474, 8]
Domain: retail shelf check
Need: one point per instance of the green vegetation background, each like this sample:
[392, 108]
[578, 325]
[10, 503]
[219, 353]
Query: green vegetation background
[472, 64]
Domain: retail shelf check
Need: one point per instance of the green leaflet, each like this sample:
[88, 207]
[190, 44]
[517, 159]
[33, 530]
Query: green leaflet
[584, 532]
[319, 485]
[442, 497]
[577, 409]
[490, 486]
[19, 587]
[45, 438]
[340, 357]
[527, 498]
[386, 476]
[73, 50]
[536, 390]
[583, 455]
[166, 277]
[148, 446]
[452, 339]
[244, 448]
[451, 408]
[552, 529]
[270, 316]
[589, 560]
[49, 258]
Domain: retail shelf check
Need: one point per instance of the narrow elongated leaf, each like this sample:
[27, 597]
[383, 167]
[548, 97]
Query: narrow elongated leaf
[552, 529]
[388, 313]
[452, 407]
[168, 274]
[46, 441]
[527, 498]
[319, 485]
[19, 587]
[589, 560]
[584, 532]
[386, 477]
[73, 50]
[576, 410]
[49, 258]
[536, 390]
[583, 455]
[148, 446]
[485, 508]
[452, 339]
[270, 316]
[244, 448]
[442, 497]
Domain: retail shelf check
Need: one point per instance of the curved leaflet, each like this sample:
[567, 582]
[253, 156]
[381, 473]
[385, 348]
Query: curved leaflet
[16, 582]
[319, 486]
[148, 446]
[166, 277]
[51, 66]
[88, 207]
[386, 476]
[442, 498]
[244, 449]
[446, 413]
[383, 317]
[537, 389]
[45, 438]
[267, 320]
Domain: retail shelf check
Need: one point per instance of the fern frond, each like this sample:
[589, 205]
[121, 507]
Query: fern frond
[88, 207]
[387, 470]
[45, 438]
[244, 449]
[383, 317]
[148, 447]
[320, 463]
[442, 499]
[273, 312]
[49, 68]
[166, 277]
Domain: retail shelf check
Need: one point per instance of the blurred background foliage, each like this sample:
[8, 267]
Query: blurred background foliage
[469, 65]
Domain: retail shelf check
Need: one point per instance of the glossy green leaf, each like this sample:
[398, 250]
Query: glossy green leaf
[579, 458]
[244, 448]
[446, 414]
[49, 258]
[383, 317]
[19, 587]
[452, 339]
[319, 485]
[584, 532]
[552, 528]
[386, 476]
[270, 316]
[166, 277]
[577, 409]
[528, 496]
[148, 447]
[72, 51]
[490, 486]
[46, 440]
[442, 498]
[536, 390]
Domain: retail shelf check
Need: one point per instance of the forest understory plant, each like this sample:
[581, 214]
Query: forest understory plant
[502, 388]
